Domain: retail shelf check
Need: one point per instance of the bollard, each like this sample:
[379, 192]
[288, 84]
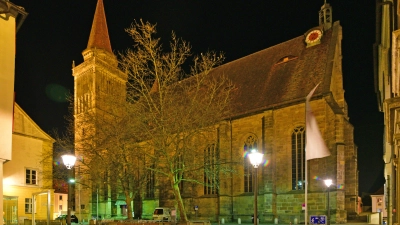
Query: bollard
[295, 221]
[222, 220]
[239, 221]
[276, 221]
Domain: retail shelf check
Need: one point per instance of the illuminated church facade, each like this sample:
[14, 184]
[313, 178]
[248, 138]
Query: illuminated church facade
[268, 114]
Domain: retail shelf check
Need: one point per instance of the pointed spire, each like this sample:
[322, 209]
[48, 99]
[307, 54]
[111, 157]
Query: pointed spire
[99, 34]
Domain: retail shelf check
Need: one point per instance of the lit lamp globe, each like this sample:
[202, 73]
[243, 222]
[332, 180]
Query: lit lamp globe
[69, 160]
[328, 182]
[255, 158]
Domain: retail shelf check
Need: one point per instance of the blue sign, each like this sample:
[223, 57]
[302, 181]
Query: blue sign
[196, 208]
[318, 219]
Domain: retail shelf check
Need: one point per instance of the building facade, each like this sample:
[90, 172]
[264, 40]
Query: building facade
[387, 88]
[268, 114]
[29, 173]
[11, 19]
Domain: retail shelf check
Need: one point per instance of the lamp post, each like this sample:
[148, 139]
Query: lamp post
[328, 183]
[69, 162]
[255, 160]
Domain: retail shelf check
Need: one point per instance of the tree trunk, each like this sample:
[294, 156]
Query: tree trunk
[128, 201]
[179, 201]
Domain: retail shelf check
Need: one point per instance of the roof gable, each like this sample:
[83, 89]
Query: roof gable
[24, 125]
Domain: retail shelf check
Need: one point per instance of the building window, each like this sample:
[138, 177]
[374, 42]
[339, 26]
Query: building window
[211, 176]
[105, 186]
[250, 143]
[31, 177]
[28, 205]
[150, 183]
[180, 167]
[298, 158]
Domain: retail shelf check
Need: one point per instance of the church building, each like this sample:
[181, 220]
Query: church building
[268, 113]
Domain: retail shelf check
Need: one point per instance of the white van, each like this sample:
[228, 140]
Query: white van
[162, 214]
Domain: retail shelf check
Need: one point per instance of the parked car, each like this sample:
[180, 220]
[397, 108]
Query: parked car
[74, 219]
[162, 214]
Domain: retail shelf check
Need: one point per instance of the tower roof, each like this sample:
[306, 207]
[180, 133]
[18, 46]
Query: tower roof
[99, 34]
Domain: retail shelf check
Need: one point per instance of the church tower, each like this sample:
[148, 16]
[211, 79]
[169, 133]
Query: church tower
[98, 75]
[97, 82]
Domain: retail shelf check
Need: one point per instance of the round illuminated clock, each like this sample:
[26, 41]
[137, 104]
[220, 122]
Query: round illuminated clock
[314, 37]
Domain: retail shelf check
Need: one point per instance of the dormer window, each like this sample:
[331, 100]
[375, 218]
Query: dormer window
[286, 59]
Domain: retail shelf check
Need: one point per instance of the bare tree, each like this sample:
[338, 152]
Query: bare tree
[166, 125]
[111, 150]
[108, 150]
[177, 113]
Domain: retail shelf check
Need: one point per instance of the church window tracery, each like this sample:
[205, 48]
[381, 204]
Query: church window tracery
[211, 178]
[298, 158]
[179, 165]
[150, 183]
[250, 143]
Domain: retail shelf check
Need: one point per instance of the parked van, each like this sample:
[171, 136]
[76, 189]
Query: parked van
[162, 214]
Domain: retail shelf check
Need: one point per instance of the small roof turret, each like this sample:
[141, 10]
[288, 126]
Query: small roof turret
[325, 16]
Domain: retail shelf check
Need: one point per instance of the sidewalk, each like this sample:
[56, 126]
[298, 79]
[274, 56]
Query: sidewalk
[348, 223]
[204, 222]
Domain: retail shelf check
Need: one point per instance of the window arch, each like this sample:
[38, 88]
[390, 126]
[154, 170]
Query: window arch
[298, 158]
[249, 144]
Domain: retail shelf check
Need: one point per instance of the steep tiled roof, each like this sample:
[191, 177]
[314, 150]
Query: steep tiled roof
[266, 79]
[99, 34]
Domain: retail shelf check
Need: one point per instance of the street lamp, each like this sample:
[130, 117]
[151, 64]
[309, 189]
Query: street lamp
[255, 160]
[69, 162]
[328, 183]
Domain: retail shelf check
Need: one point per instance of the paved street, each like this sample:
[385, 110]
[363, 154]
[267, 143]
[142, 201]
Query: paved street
[144, 222]
[349, 223]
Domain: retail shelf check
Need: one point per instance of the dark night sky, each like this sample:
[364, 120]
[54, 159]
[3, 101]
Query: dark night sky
[56, 32]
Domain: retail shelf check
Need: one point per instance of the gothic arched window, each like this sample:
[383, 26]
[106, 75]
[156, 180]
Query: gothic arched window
[211, 172]
[150, 183]
[298, 158]
[250, 143]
